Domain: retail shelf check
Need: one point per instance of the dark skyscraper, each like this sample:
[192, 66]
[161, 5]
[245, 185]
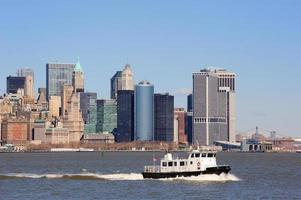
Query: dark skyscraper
[115, 84]
[125, 116]
[189, 117]
[164, 117]
[14, 83]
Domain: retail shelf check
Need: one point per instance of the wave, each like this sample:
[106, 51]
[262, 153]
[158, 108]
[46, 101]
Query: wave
[119, 177]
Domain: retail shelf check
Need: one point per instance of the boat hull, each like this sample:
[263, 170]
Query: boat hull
[212, 170]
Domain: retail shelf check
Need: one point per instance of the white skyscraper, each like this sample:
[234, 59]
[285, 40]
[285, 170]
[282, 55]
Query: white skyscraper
[127, 80]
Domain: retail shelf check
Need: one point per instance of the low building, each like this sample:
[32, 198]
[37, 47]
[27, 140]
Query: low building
[252, 145]
[15, 131]
[57, 135]
[98, 138]
[228, 146]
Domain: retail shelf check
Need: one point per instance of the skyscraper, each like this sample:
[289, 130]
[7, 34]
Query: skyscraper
[106, 116]
[89, 111]
[144, 111]
[125, 116]
[73, 119]
[58, 75]
[213, 106]
[29, 75]
[14, 83]
[67, 91]
[78, 78]
[164, 117]
[115, 84]
[189, 117]
[127, 80]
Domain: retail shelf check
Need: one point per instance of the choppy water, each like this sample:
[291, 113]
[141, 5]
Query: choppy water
[117, 176]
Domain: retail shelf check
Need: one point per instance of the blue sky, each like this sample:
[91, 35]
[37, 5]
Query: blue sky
[165, 41]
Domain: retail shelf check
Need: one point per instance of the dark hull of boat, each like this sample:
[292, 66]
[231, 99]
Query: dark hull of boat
[212, 170]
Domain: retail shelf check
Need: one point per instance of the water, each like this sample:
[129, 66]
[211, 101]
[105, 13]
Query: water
[117, 175]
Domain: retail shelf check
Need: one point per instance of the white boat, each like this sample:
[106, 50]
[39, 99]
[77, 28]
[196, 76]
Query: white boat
[197, 163]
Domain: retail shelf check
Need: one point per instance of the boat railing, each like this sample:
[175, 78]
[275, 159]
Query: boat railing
[152, 169]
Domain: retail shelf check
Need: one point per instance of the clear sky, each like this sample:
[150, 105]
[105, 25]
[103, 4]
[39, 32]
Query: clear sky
[165, 41]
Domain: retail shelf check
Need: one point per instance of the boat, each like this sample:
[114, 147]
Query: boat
[298, 151]
[197, 163]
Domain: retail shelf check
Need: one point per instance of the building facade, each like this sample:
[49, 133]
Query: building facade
[88, 108]
[125, 116]
[115, 84]
[180, 120]
[106, 116]
[73, 119]
[144, 111]
[58, 75]
[213, 106]
[164, 117]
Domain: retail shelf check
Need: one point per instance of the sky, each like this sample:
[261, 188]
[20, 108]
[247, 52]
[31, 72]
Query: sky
[165, 42]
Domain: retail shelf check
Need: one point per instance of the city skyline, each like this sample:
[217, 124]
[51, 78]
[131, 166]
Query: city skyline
[260, 52]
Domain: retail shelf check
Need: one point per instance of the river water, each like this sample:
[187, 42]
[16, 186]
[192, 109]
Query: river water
[116, 175]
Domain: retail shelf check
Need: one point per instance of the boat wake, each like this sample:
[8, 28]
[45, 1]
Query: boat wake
[119, 177]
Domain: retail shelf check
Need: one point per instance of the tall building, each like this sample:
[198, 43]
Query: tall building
[55, 105]
[29, 74]
[127, 80]
[67, 91]
[106, 116]
[164, 117]
[14, 83]
[189, 119]
[73, 119]
[144, 111]
[179, 117]
[115, 84]
[78, 78]
[89, 111]
[58, 75]
[213, 106]
[125, 116]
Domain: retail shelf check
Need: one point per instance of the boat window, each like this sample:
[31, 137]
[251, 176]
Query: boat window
[203, 155]
[175, 164]
[164, 164]
[210, 155]
[192, 155]
[197, 155]
[191, 162]
[182, 163]
[169, 164]
[214, 155]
